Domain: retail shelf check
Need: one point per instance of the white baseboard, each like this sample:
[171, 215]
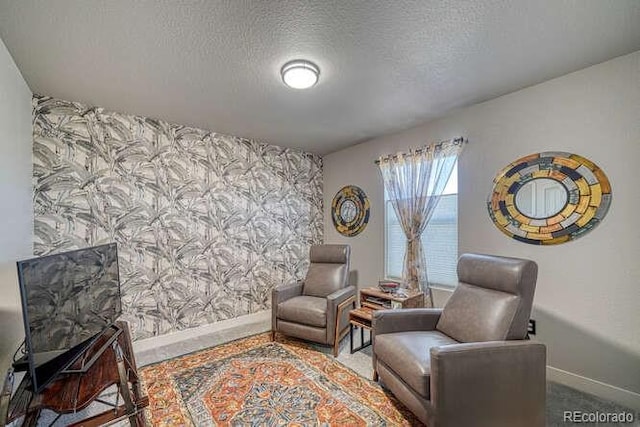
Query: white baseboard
[164, 347]
[606, 391]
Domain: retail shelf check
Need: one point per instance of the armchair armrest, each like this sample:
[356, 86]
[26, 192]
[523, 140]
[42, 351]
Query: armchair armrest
[498, 382]
[340, 295]
[280, 294]
[333, 301]
[407, 319]
[285, 292]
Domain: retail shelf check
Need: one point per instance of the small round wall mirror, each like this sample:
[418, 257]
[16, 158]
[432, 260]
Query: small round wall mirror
[549, 198]
[350, 211]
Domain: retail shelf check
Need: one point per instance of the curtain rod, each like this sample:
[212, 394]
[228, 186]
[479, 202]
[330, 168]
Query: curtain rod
[458, 140]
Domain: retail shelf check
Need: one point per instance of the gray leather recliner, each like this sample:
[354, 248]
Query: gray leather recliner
[317, 309]
[468, 364]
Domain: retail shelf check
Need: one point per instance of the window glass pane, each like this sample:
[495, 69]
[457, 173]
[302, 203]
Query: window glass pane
[452, 184]
[440, 242]
[396, 243]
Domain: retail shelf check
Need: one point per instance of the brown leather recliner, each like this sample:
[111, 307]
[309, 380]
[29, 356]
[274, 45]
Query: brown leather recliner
[468, 364]
[316, 308]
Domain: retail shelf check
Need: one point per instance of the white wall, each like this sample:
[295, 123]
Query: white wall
[588, 294]
[16, 209]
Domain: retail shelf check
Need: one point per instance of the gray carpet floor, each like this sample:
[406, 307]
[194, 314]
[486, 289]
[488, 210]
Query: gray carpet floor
[561, 398]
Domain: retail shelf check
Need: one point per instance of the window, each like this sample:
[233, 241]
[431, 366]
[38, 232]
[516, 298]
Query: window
[439, 240]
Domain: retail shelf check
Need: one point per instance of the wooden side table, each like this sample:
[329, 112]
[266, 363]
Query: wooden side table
[372, 299]
[71, 392]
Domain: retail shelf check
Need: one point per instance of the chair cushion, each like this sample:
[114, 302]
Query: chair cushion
[324, 279]
[474, 314]
[306, 310]
[407, 354]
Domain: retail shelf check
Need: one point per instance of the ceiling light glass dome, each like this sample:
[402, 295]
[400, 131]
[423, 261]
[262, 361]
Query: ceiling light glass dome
[300, 74]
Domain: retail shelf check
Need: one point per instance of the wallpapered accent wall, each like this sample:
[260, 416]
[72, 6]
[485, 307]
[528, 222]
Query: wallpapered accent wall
[206, 224]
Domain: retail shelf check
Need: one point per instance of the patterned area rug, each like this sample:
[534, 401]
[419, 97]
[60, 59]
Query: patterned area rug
[254, 381]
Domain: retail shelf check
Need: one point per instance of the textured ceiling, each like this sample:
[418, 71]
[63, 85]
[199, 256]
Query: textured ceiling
[385, 65]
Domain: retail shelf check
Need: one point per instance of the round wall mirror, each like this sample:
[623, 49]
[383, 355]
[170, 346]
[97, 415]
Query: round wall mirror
[350, 210]
[549, 198]
[541, 198]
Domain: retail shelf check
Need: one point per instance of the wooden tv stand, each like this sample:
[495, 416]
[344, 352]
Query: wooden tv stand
[72, 392]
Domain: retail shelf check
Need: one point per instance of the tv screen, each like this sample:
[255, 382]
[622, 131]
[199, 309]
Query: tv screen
[67, 299]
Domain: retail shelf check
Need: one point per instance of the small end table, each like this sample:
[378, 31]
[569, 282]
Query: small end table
[360, 318]
[372, 299]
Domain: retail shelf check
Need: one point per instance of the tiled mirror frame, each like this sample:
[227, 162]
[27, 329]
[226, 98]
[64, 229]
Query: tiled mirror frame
[589, 198]
[360, 200]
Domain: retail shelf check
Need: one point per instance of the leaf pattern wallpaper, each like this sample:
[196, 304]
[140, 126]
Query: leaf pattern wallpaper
[206, 224]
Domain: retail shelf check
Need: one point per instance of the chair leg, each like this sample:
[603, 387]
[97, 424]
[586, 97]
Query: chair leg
[375, 375]
[273, 335]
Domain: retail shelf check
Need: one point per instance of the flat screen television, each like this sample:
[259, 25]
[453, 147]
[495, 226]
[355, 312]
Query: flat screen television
[68, 300]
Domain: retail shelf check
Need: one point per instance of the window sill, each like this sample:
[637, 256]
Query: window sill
[443, 288]
[436, 286]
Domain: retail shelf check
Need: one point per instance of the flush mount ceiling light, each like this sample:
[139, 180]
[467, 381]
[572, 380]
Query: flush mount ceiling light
[300, 74]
